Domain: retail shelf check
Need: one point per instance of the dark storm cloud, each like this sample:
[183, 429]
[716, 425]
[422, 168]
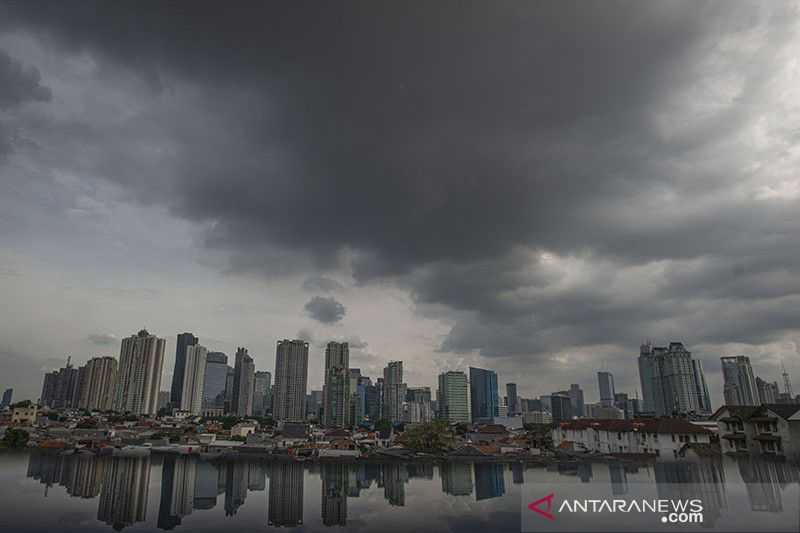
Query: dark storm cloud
[19, 83]
[325, 310]
[448, 147]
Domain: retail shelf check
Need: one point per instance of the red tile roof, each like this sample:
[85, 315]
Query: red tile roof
[642, 425]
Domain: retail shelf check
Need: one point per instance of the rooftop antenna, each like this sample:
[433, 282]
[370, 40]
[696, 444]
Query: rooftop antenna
[787, 384]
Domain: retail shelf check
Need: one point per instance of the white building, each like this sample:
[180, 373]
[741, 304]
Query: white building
[762, 430]
[194, 375]
[662, 437]
[141, 361]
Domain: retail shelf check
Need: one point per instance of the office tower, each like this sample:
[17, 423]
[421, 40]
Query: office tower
[453, 397]
[262, 392]
[418, 405]
[622, 402]
[336, 407]
[291, 379]
[183, 342]
[560, 407]
[355, 411]
[372, 403]
[194, 375]
[285, 492]
[60, 389]
[214, 381]
[243, 378]
[229, 378]
[379, 386]
[360, 397]
[767, 391]
[669, 384]
[7, 394]
[703, 398]
[98, 384]
[512, 401]
[739, 383]
[483, 395]
[314, 404]
[141, 360]
[123, 497]
[607, 391]
[575, 394]
[394, 391]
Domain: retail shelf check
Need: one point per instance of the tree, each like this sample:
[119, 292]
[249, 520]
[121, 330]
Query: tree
[383, 425]
[429, 437]
[15, 438]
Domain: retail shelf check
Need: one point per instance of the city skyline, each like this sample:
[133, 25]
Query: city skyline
[533, 189]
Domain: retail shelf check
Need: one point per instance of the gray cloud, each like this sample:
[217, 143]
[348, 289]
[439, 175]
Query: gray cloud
[544, 177]
[19, 83]
[325, 310]
[102, 339]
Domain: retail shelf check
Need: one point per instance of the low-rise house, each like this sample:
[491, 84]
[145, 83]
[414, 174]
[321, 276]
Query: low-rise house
[772, 429]
[24, 414]
[488, 434]
[662, 437]
[243, 429]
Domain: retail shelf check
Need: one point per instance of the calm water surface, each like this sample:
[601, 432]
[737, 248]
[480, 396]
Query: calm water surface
[46, 492]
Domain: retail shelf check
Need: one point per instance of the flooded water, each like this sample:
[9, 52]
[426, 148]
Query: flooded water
[46, 492]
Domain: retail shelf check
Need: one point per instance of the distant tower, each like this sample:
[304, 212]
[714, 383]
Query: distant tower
[787, 385]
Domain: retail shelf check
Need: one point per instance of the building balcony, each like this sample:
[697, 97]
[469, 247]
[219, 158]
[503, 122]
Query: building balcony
[734, 436]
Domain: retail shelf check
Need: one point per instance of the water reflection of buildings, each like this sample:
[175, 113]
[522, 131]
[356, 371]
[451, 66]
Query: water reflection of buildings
[335, 482]
[286, 494]
[456, 478]
[80, 475]
[489, 481]
[688, 480]
[123, 499]
[764, 481]
[395, 477]
[236, 480]
[178, 480]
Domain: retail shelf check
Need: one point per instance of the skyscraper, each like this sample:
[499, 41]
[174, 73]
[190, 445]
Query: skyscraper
[243, 378]
[7, 394]
[291, 380]
[484, 401]
[512, 402]
[669, 383]
[453, 397]
[703, 397]
[607, 390]
[739, 383]
[767, 391]
[576, 399]
[418, 405]
[139, 379]
[60, 389]
[336, 406]
[560, 406]
[394, 391]
[262, 393]
[176, 392]
[214, 381]
[99, 383]
[194, 375]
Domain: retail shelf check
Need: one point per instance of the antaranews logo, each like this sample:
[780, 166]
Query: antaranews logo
[668, 511]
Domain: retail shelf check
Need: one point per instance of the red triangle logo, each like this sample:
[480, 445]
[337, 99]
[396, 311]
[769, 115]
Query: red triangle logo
[547, 513]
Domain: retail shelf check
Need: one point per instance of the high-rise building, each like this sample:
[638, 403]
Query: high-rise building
[739, 383]
[484, 401]
[194, 375]
[7, 395]
[336, 407]
[607, 390]
[214, 381]
[61, 387]
[291, 380]
[453, 398]
[372, 403]
[183, 342]
[394, 391]
[418, 405]
[575, 394]
[98, 384]
[560, 407]
[703, 398]
[141, 360]
[512, 401]
[262, 393]
[229, 377]
[670, 380]
[767, 391]
[314, 404]
[243, 378]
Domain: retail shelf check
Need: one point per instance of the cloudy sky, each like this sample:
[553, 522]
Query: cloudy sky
[530, 187]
